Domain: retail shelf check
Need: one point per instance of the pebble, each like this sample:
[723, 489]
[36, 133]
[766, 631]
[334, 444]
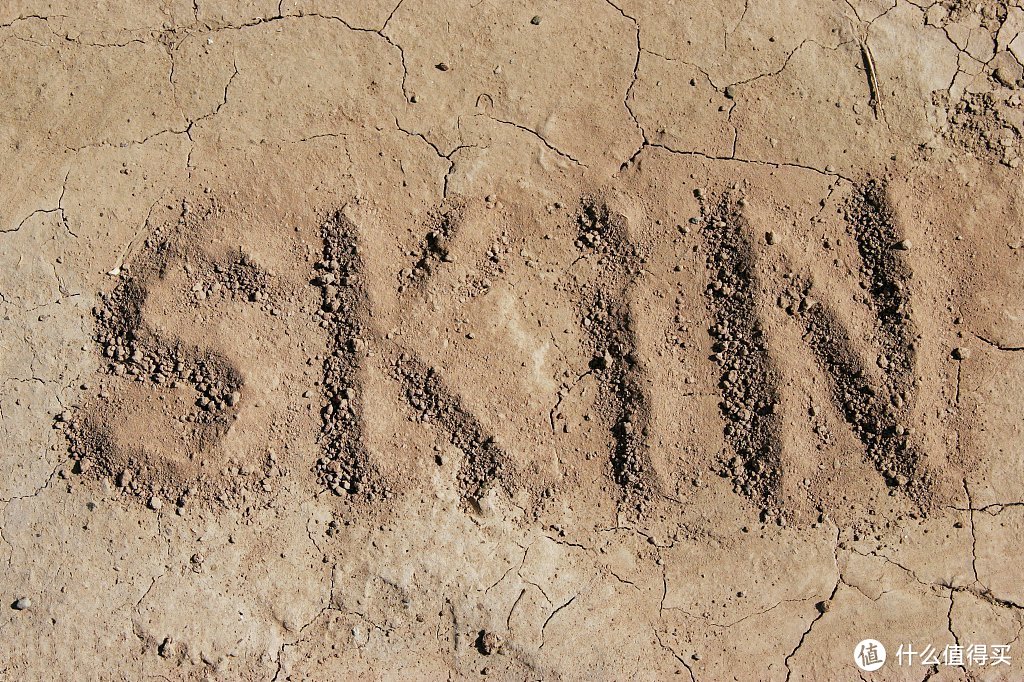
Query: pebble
[488, 643]
[961, 353]
[772, 237]
[730, 92]
[535, 21]
[155, 503]
[441, 66]
[904, 245]
[1004, 77]
[23, 603]
[166, 648]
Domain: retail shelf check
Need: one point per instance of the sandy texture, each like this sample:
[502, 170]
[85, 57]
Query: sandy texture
[590, 340]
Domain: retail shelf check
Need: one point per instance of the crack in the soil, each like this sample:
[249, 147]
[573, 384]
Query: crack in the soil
[737, 159]
[544, 627]
[821, 611]
[441, 155]
[974, 535]
[949, 621]
[6, 501]
[636, 70]
[328, 606]
[730, 31]
[657, 635]
[537, 135]
[186, 130]
[58, 209]
[375, 31]
[976, 588]
[806, 633]
[998, 346]
[526, 550]
[26, 17]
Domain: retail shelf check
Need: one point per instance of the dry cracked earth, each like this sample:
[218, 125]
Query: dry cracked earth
[592, 340]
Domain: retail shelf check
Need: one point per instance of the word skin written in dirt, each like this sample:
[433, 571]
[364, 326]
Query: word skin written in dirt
[879, 411]
[137, 353]
[625, 397]
[345, 465]
[876, 410]
[749, 381]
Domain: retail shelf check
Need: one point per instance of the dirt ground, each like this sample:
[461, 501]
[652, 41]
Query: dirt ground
[592, 340]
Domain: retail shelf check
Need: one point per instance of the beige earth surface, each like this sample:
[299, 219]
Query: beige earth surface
[592, 340]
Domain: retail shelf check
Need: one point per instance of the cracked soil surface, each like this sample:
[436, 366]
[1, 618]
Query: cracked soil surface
[591, 340]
